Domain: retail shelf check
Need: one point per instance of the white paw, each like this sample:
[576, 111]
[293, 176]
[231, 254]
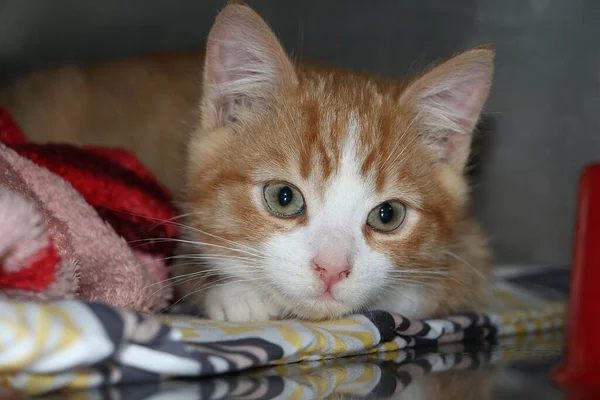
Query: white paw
[237, 302]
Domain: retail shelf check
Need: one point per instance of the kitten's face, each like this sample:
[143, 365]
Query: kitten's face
[329, 192]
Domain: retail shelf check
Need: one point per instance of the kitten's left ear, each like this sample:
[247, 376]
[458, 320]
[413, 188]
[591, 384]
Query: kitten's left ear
[448, 100]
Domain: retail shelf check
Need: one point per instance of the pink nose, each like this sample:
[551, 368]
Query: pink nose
[331, 274]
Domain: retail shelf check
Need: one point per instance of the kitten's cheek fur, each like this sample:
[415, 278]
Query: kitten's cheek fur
[238, 302]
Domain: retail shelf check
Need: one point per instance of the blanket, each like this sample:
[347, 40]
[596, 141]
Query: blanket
[75, 344]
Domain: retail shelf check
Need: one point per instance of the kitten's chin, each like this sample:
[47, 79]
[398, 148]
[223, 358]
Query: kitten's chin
[322, 309]
[309, 303]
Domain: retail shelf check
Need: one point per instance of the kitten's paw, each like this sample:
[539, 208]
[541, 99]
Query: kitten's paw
[237, 302]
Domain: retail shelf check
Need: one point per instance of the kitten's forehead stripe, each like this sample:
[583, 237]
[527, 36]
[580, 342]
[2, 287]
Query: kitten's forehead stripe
[384, 156]
[311, 134]
[325, 160]
[319, 148]
[329, 102]
[377, 140]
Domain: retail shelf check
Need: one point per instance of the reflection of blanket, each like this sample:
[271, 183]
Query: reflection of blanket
[464, 370]
[78, 345]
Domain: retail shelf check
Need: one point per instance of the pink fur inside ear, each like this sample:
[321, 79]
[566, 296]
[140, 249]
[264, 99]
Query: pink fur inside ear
[449, 100]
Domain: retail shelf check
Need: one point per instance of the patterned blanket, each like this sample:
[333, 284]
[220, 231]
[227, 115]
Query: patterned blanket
[77, 345]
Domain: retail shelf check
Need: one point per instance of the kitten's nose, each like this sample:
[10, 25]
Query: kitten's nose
[331, 273]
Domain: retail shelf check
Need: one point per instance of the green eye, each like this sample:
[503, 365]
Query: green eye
[387, 217]
[283, 199]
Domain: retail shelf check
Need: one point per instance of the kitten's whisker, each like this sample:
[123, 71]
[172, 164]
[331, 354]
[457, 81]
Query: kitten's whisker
[158, 220]
[255, 250]
[210, 285]
[224, 270]
[191, 228]
[185, 257]
[170, 220]
[200, 274]
[207, 274]
[234, 243]
[203, 256]
[199, 244]
[464, 262]
[173, 284]
[170, 279]
[425, 274]
[421, 272]
[414, 282]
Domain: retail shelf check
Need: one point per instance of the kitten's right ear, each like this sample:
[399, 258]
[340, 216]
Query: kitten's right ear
[245, 66]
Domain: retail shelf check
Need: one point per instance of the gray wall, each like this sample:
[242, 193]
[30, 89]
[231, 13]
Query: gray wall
[542, 121]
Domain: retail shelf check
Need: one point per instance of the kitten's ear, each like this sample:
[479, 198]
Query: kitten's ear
[448, 100]
[245, 66]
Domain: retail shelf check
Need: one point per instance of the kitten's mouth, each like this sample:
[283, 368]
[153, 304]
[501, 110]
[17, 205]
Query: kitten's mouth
[326, 295]
[323, 306]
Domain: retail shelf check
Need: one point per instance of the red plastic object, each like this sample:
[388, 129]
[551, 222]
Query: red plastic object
[580, 368]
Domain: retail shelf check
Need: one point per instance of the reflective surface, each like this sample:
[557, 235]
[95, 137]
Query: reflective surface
[513, 369]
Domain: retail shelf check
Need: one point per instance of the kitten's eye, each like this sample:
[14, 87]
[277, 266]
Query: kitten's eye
[283, 199]
[387, 217]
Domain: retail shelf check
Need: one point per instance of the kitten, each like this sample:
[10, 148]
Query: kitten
[312, 192]
[317, 192]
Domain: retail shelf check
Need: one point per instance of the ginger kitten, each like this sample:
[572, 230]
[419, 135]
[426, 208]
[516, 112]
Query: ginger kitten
[311, 192]
[317, 192]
